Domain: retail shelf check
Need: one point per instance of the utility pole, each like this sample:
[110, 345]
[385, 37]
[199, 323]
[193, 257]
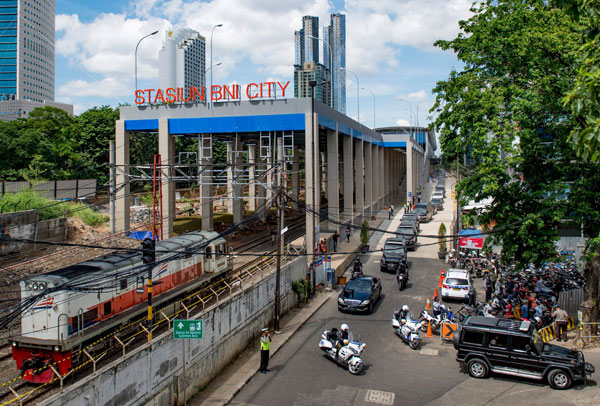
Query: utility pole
[457, 206]
[149, 258]
[280, 219]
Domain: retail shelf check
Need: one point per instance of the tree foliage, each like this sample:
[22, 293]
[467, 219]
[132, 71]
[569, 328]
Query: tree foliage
[504, 110]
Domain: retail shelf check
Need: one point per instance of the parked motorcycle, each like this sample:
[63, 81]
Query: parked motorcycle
[427, 318]
[407, 330]
[348, 355]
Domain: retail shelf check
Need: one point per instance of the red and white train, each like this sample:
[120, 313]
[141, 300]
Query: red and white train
[63, 322]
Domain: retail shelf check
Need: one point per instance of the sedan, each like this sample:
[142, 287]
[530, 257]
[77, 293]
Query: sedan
[360, 294]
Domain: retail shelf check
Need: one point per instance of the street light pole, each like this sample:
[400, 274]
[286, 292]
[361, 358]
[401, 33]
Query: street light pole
[372, 94]
[136, 49]
[211, 62]
[410, 118]
[357, 93]
[330, 66]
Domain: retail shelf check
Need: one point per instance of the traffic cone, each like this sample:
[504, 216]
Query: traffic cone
[442, 275]
[435, 294]
[428, 305]
[429, 332]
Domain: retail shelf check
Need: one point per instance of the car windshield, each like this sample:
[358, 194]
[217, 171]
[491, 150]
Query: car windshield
[457, 282]
[393, 248]
[436, 201]
[359, 285]
[405, 230]
[408, 220]
[420, 210]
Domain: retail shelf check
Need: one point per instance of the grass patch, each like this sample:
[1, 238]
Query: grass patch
[193, 223]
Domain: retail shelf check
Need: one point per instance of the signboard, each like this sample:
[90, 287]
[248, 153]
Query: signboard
[471, 243]
[448, 330]
[409, 194]
[187, 329]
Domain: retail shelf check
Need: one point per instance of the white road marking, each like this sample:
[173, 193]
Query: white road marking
[380, 397]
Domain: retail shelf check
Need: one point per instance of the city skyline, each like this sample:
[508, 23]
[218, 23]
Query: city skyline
[390, 48]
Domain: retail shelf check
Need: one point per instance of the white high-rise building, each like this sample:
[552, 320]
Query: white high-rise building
[182, 60]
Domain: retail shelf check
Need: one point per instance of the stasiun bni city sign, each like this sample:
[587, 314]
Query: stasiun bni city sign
[254, 91]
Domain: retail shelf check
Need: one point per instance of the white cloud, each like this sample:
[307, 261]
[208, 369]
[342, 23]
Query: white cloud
[402, 122]
[107, 87]
[419, 96]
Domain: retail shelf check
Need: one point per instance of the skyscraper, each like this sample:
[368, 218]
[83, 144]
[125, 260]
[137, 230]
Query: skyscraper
[182, 60]
[26, 57]
[307, 50]
[335, 36]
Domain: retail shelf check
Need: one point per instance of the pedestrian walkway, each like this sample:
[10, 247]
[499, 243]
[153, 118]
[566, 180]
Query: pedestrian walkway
[229, 382]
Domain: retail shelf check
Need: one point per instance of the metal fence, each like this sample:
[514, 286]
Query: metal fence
[570, 301]
[55, 189]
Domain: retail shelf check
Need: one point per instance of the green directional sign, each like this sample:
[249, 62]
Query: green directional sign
[187, 329]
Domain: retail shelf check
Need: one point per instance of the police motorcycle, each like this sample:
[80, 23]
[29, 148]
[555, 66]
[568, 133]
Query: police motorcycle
[357, 271]
[348, 355]
[407, 328]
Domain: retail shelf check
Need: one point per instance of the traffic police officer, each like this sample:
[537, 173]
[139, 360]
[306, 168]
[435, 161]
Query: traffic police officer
[265, 344]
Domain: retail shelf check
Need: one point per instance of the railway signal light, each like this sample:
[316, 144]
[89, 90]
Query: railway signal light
[149, 253]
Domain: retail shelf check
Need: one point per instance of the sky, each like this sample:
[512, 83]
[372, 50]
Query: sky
[389, 45]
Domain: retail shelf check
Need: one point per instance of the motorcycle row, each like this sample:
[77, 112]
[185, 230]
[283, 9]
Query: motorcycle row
[530, 294]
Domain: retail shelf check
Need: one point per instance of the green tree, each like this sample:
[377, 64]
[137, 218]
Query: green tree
[504, 109]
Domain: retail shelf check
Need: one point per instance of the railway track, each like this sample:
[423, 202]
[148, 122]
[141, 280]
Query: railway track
[19, 392]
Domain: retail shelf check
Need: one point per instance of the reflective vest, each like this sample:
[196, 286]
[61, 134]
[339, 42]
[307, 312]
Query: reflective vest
[265, 343]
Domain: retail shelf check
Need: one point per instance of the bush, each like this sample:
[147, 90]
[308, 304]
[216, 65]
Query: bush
[441, 235]
[364, 233]
[31, 200]
[87, 215]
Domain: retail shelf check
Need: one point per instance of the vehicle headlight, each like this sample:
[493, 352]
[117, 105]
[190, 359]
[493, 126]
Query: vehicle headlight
[366, 302]
[34, 286]
[340, 300]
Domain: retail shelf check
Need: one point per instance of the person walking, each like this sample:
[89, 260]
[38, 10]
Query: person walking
[335, 238]
[348, 233]
[265, 345]
[392, 208]
[560, 317]
[389, 213]
[487, 283]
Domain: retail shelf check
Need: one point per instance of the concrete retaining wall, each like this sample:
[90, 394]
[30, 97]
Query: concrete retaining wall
[153, 375]
[25, 225]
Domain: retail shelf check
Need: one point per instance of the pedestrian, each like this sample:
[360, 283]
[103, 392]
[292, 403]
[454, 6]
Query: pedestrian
[392, 207]
[560, 317]
[472, 295]
[335, 237]
[265, 344]
[419, 198]
[348, 233]
[487, 283]
[389, 213]
[406, 208]
[324, 246]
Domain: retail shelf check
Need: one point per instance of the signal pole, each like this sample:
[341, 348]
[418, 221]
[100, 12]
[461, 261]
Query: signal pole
[280, 219]
[149, 258]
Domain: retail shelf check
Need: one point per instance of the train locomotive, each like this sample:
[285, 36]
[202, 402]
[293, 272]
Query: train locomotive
[63, 322]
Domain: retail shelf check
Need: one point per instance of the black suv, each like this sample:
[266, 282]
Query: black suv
[487, 344]
[408, 234]
[394, 256]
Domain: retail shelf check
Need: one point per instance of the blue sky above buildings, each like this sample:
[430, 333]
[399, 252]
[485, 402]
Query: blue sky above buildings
[388, 44]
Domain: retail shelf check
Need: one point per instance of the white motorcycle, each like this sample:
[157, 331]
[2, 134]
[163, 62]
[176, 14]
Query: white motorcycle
[348, 355]
[408, 331]
[435, 321]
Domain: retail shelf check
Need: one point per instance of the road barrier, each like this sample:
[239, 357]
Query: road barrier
[447, 331]
[548, 333]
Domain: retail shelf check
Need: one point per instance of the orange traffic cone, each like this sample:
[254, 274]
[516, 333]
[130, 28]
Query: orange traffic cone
[429, 332]
[428, 305]
[442, 275]
[435, 294]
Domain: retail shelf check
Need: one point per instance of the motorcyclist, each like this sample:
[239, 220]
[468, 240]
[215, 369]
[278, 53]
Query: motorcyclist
[357, 265]
[343, 334]
[405, 314]
[437, 306]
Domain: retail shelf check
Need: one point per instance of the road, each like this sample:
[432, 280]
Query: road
[394, 374]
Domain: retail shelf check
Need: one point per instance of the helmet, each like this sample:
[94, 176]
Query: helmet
[345, 327]
[405, 308]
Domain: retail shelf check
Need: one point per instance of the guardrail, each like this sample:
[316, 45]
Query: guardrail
[582, 328]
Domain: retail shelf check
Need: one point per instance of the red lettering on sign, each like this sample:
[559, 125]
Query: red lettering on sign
[231, 92]
[149, 94]
[248, 91]
[139, 94]
[196, 92]
[269, 87]
[183, 94]
[170, 95]
[283, 88]
[215, 89]
[159, 95]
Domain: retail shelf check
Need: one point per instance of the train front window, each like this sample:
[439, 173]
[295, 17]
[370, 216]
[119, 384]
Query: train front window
[208, 252]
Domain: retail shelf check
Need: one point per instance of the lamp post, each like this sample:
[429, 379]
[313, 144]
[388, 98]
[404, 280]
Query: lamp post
[410, 118]
[314, 169]
[330, 66]
[357, 93]
[210, 68]
[136, 49]
[211, 61]
[372, 94]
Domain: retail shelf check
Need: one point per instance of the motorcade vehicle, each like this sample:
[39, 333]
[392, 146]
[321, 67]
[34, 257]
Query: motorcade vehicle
[511, 347]
[408, 234]
[348, 355]
[424, 211]
[456, 284]
[410, 218]
[441, 188]
[437, 195]
[407, 330]
[437, 203]
[360, 294]
[394, 256]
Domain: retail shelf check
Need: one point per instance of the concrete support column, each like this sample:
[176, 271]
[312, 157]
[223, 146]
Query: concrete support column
[409, 172]
[368, 179]
[333, 193]
[296, 175]
[206, 189]
[261, 192]
[238, 198]
[348, 172]
[252, 178]
[122, 177]
[359, 177]
[381, 162]
[166, 149]
[312, 181]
